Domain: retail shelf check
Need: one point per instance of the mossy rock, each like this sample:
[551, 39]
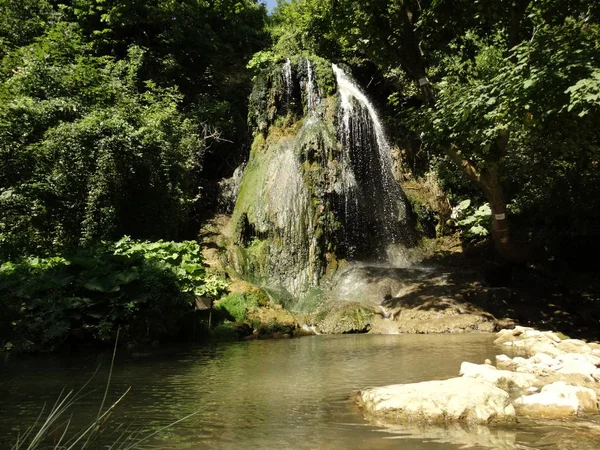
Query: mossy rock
[275, 330]
[346, 318]
[231, 331]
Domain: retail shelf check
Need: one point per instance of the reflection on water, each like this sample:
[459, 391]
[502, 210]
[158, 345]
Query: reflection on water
[265, 394]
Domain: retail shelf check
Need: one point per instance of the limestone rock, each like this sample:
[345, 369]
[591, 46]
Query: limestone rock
[557, 400]
[456, 399]
[503, 379]
[574, 346]
[529, 341]
[577, 367]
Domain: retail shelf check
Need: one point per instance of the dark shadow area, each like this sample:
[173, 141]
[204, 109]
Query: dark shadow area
[475, 285]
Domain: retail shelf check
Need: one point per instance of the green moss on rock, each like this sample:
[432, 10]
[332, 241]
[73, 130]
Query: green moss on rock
[346, 318]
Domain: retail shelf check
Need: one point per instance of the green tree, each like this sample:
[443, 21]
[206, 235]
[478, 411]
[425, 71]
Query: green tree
[107, 110]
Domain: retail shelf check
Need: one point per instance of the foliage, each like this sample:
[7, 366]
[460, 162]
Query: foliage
[473, 222]
[237, 305]
[107, 110]
[145, 287]
[80, 164]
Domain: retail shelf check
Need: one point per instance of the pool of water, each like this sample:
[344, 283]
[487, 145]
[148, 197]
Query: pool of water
[276, 394]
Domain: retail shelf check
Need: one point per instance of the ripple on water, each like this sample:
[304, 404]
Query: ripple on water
[268, 394]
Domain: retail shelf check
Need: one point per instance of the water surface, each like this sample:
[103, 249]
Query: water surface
[277, 394]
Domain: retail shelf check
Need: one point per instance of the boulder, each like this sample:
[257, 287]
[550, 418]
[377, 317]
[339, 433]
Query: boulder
[591, 359]
[529, 341]
[504, 379]
[574, 346]
[456, 399]
[505, 363]
[519, 333]
[577, 367]
[557, 400]
[543, 358]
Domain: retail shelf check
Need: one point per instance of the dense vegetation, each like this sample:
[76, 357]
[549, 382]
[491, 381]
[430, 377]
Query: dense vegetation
[115, 113]
[111, 116]
[145, 288]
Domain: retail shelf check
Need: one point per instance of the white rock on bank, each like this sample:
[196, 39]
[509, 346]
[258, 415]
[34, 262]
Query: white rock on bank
[544, 358]
[456, 399]
[591, 359]
[541, 364]
[574, 346]
[577, 367]
[503, 379]
[557, 400]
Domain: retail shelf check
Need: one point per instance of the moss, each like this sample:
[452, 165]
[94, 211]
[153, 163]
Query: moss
[272, 328]
[346, 318]
[239, 305]
[230, 331]
[258, 144]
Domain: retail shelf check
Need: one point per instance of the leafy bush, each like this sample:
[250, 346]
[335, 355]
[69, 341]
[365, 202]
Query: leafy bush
[147, 288]
[473, 222]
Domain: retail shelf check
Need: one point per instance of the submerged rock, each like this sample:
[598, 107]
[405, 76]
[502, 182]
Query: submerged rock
[456, 399]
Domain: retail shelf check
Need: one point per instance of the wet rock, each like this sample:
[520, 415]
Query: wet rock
[557, 400]
[504, 379]
[456, 399]
[456, 435]
[346, 318]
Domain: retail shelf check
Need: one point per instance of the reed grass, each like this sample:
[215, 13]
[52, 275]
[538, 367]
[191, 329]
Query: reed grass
[57, 422]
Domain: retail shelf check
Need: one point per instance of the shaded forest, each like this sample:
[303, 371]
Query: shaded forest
[118, 119]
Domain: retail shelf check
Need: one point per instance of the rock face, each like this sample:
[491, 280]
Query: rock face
[561, 382]
[444, 401]
[408, 300]
[318, 187]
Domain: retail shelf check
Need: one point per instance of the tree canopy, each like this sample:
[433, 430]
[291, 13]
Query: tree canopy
[107, 110]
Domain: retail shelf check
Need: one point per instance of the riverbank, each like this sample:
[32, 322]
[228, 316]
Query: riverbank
[548, 377]
[449, 293]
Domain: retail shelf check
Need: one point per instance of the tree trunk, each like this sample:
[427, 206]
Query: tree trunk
[492, 189]
[488, 180]
[413, 59]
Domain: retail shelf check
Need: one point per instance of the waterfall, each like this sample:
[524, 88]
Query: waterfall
[318, 191]
[373, 205]
[313, 96]
[286, 74]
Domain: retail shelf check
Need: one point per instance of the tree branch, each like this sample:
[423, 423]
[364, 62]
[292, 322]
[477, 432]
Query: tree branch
[467, 166]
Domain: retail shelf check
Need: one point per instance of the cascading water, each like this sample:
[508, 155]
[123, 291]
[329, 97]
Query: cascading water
[313, 96]
[374, 204]
[286, 74]
[318, 187]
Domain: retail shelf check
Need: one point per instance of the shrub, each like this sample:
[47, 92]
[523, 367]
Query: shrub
[237, 305]
[147, 288]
